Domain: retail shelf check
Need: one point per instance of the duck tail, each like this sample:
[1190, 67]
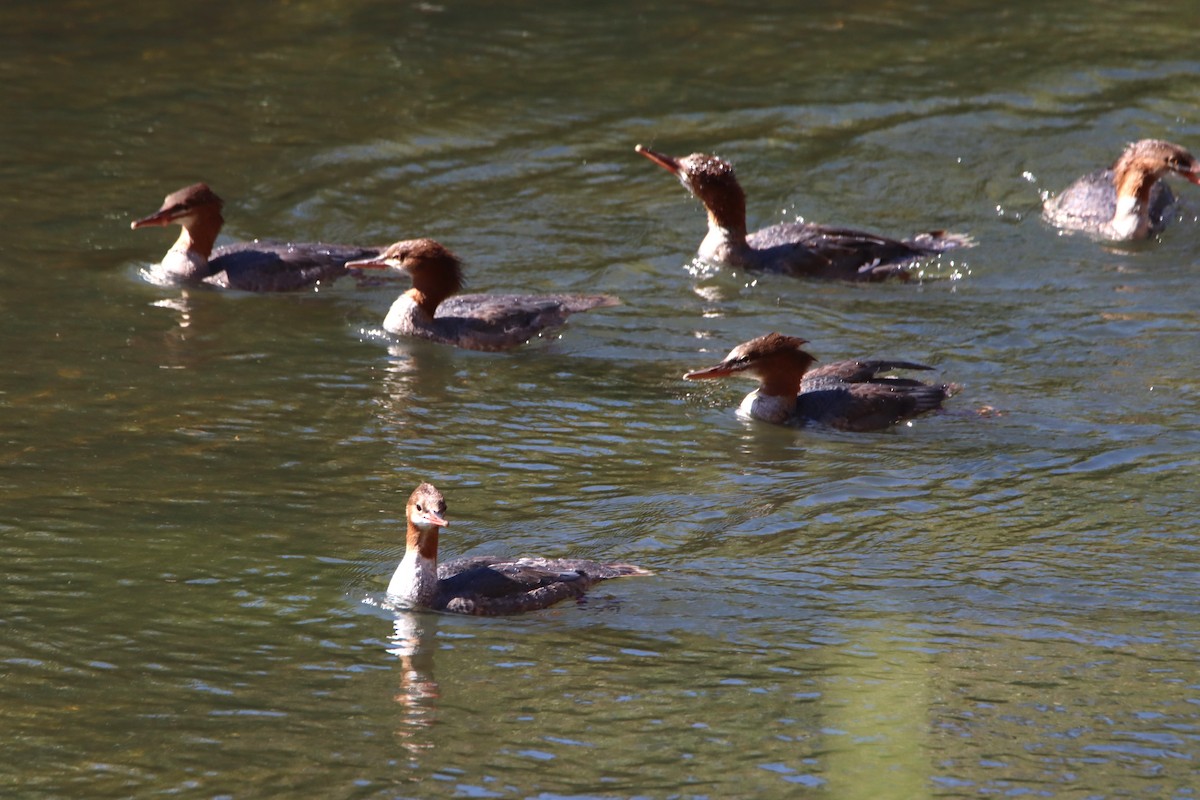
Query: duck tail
[937, 241]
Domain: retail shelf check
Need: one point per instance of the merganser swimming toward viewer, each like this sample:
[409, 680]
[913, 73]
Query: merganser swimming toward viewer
[794, 248]
[1126, 201]
[470, 321]
[483, 585]
[249, 266]
[849, 395]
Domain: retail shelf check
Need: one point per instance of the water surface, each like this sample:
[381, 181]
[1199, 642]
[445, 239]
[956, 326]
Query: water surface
[204, 492]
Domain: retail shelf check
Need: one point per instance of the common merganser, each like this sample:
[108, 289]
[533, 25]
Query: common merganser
[470, 321]
[483, 585]
[249, 266]
[794, 248]
[1126, 201]
[849, 395]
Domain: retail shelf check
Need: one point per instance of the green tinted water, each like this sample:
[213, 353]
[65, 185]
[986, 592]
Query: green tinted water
[203, 492]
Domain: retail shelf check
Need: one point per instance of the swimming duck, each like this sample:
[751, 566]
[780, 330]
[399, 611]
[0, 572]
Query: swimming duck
[849, 395]
[1127, 201]
[483, 585]
[430, 310]
[250, 266]
[794, 248]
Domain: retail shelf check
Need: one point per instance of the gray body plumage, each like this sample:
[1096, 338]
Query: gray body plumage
[484, 585]
[280, 267]
[1089, 204]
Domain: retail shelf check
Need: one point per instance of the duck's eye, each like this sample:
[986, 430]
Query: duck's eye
[420, 508]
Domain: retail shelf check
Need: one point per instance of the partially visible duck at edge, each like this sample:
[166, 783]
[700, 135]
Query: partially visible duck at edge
[249, 266]
[429, 309]
[1127, 201]
[483, 585]
[793, 248]
[848, 395]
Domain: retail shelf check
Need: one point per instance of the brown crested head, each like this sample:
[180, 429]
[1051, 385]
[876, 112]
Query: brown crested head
[426, 514]
[434, 269]
[1156, 158]
[769, 356]
[183, 203]
[711, 180]
[426, 507]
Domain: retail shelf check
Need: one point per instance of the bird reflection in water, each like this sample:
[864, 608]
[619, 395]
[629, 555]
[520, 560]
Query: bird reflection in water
[184, 344]
[418, 691]
[183, 311]
[417, 377]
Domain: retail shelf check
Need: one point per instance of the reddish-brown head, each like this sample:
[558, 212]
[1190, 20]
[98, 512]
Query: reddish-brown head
[434, 269]
[778, 361]
[178, 206]
[426, 513]
[1157, 158]
[711, 180]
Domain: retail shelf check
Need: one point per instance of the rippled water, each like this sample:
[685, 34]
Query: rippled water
[204, 492]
